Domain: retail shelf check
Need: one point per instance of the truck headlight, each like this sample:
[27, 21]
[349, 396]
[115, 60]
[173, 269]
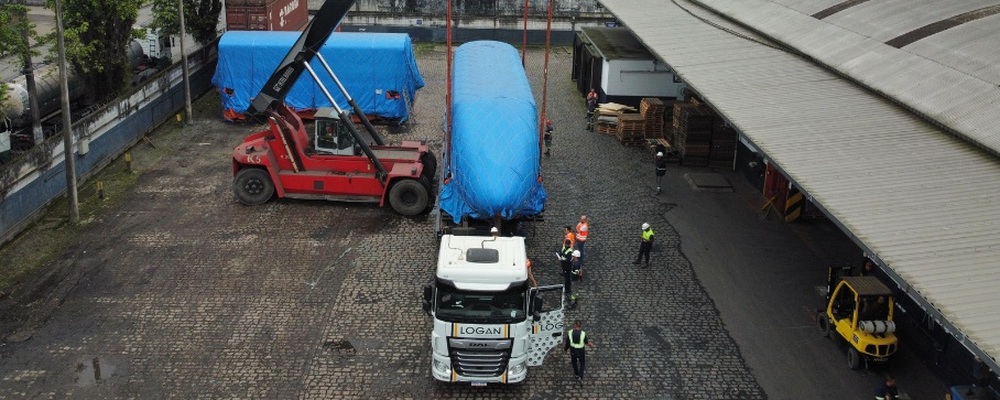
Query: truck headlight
[442, 367]
[517, 369]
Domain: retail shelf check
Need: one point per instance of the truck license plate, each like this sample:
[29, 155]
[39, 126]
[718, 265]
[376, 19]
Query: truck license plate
[478, 383]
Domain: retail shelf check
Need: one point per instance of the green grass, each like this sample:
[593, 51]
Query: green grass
[52, 234]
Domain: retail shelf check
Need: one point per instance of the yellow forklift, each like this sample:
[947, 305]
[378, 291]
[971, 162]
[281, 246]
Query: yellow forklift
[859, 314]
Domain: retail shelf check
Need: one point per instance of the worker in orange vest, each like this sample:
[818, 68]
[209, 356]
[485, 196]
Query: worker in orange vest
[569, 235]
[531, 275]
[581, 230]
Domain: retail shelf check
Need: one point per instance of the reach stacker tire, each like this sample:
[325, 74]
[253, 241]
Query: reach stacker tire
[408, 197]
[253, 186]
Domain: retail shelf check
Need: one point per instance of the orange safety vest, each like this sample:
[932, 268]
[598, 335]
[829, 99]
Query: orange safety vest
[571, 237]
[581, 231]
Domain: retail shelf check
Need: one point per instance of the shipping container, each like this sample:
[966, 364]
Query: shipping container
[266, 15]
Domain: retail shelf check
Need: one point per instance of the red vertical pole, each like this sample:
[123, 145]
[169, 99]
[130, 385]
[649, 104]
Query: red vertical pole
[447, 128]
[545, 80]
[524, 45]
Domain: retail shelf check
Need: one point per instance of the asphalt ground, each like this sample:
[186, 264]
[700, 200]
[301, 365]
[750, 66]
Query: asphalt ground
[179, 291]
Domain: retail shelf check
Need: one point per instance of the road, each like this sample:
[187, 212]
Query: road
[179, 291]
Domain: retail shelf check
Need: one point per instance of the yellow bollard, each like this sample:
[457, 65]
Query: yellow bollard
[128, 161]
[100, 190]
[178, 117]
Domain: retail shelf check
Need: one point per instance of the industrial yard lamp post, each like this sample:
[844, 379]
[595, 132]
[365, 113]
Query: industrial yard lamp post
[74, 206]
[184, 69]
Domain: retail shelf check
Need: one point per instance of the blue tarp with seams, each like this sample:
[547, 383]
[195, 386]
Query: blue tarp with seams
[494, 159]
[379, 71]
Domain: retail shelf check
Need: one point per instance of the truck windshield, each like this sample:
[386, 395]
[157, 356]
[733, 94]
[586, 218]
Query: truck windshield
[505, 307]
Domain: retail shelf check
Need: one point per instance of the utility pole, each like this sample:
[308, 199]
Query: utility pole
[184, 69]
[74, 206]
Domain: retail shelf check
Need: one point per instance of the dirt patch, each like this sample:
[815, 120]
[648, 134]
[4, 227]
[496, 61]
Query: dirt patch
[35, 276]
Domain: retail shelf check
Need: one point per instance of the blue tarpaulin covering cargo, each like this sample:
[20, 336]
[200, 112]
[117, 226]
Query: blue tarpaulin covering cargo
[379, 71]
[494, 159]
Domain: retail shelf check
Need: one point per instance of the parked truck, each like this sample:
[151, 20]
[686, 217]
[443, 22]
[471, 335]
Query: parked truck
[335, 162]
[490, 324]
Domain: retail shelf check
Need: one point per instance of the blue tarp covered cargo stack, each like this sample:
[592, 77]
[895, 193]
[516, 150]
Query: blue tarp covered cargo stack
[494, 158]
[379, 71]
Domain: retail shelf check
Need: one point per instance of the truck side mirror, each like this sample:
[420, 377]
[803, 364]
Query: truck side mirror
[536, 305]
[428, 292]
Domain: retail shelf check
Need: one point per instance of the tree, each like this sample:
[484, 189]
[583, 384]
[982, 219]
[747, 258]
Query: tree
[201, 18]
[12, 27]
[97, 35]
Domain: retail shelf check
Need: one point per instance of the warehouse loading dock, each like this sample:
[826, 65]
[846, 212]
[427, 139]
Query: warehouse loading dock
[622, 70]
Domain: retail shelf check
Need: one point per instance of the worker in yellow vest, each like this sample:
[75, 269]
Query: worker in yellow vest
[646, 245]
[576, 344]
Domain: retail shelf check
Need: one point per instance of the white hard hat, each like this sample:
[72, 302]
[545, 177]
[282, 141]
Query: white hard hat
[645, 225]
[659, 154]
[494, 230]
[576, 253]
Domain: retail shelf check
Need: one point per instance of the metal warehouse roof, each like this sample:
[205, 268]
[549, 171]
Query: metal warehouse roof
[936, 57]
[616, 44]
[925, 202]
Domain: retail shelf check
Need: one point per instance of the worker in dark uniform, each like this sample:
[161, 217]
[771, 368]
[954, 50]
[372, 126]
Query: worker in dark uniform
[576, 265]
[591, 108]
[548, 137]
[888, 390]
[576, 344]
[661, 169]
[566, 262]
[646, 245]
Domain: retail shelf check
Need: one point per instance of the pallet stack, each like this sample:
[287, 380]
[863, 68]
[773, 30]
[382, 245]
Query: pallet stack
[631, 129]
[652, 110]
[692, 129]
[607, 117]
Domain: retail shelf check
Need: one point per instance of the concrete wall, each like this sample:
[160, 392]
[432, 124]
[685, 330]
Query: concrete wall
[641, 78]
[502, 20]
[29, 184]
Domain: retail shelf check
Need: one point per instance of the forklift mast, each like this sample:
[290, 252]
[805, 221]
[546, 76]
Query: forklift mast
[307, 47]
[302, 52]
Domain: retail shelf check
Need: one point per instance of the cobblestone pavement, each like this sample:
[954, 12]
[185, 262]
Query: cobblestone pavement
[181, 292]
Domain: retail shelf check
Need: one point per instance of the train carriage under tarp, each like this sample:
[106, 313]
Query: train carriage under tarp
[379, 71]
[494, 160]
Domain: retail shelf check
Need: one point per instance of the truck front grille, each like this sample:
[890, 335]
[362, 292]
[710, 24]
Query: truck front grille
[479, 358]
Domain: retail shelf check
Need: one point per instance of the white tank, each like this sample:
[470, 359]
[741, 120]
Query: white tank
[877, 326]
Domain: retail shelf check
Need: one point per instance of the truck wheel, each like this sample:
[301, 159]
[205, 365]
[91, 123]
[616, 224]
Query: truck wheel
[253, 186]
[408, 197]
[824, 325]
[853, 358]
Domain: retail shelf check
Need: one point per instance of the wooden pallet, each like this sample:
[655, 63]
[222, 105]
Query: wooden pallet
[651, 106]
[631, 129]
[654, 128]
[605, 128]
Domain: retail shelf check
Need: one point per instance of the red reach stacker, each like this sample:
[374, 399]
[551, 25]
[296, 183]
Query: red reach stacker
[334, 162]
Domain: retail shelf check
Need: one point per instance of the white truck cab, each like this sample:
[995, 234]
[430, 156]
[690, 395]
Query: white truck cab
[490, 325]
